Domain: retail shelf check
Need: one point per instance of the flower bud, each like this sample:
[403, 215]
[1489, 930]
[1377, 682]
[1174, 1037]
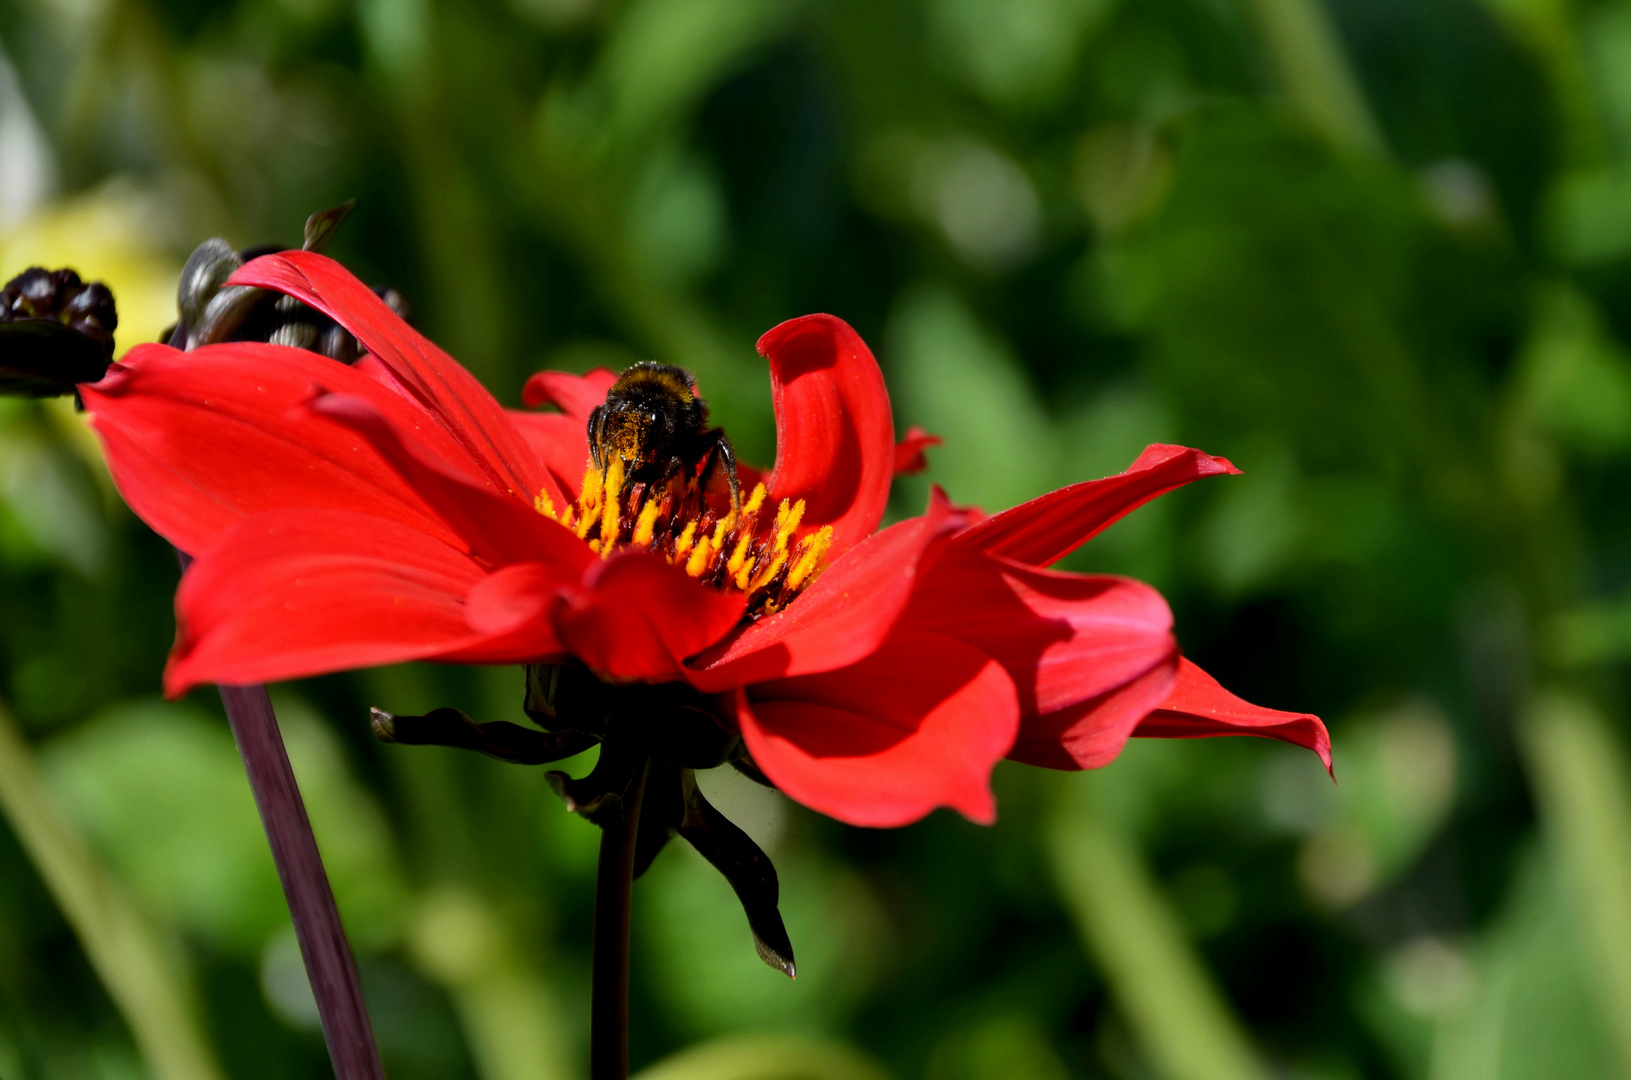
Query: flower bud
[55, 331]
[212, 311]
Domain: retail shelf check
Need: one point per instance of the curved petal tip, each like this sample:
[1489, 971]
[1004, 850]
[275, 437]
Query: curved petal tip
[1199, 707]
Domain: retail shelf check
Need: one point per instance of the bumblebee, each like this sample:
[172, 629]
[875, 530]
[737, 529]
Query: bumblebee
[654, 420]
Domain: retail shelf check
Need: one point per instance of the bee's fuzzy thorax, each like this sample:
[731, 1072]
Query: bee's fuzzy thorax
[649, 379]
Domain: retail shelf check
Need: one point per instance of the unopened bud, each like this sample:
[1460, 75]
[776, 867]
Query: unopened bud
[212, 311]
[55, 331]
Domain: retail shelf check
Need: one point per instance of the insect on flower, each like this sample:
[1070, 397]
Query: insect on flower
[391, 510]
[656, 427]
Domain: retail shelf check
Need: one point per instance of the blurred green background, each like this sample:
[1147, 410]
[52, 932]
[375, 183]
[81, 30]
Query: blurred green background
[1377, 252]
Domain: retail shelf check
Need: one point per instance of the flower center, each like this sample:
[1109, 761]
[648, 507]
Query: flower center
[747, 551]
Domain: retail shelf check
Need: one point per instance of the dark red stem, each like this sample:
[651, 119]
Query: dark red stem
[609, 963]
[329, 965]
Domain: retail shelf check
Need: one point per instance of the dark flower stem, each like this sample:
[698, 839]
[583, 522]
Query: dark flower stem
[329, 964]
[609, 965]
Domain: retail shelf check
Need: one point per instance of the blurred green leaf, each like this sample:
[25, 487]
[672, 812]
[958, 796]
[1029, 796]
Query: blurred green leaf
[692, 931]
[996, 1047]
[1591, 634]
[509, 1011]
[1580, 774]
[662, 54]
[48, 495]
[1315, 73]
[1533, 1014]
[160, 790]
[1014, 52]
[1182, 1021]
[1575, 377]
[1398, 775]
[144, 973]
[765, 1057]
[955, 379]
[1256, 522]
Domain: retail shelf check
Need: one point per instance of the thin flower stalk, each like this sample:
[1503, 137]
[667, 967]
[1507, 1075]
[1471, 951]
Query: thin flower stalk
[330, 967]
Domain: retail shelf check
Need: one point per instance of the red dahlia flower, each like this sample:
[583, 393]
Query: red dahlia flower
[350, 516]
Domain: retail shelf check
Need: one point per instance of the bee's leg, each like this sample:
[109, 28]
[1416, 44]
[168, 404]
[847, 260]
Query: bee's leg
[721, 452]
[597, 424]
[678, 480]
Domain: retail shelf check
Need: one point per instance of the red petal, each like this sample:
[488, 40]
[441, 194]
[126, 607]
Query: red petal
[294, 593]
[909, 456]
[835, 437]
[1064, 638]
[513, 596]
[839, 619]
[495, 449]
[1198, 707]
[1090, 734]
[198, 441]
[511, 607]
[561, 443]
[1051, 526]
[498, 527]
[918, 724]
[637, 618]
[574, 395]
[369, 365]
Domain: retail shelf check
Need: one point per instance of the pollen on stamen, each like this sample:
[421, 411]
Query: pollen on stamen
[701, 556]
[612, 508]
[737, 566]
[646, 524]
[682, 546]
[673, 520]
[812, 550]
[591, 486]
[787, 520]
[588, 501]
[768, 574]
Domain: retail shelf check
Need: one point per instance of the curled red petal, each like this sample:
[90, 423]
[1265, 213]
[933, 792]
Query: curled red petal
[1064, 638]
[293, 593]
[909, 456]
[1198, 707]
[199, 441]
[498, 527]
[1051, 526]
[561, 443]
[1091, 733]
[477, 423]
[839, 619]
[511, 608]
[636, 618]
[835, 436]
[575, 395]
[918, 724]
[513, 596]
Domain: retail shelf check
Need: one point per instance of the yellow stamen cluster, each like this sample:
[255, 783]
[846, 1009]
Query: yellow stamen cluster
[771, 564]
